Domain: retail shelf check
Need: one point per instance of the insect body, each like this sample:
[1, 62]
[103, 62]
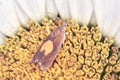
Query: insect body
[48, 50]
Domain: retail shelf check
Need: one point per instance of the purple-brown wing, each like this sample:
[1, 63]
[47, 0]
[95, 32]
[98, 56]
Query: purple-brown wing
[47, 61]
[57, 38]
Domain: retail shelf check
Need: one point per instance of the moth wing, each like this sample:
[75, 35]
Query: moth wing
[57, 38]
[47, 60]
[39, 54]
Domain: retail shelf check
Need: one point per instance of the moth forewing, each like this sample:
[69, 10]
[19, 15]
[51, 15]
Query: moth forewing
[48, 50]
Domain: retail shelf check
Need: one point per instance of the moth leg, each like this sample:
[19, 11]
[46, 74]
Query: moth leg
[63, 41]
[64, 38]
[66, 33]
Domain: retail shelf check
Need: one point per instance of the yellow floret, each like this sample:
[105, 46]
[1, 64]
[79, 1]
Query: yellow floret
[85, 55]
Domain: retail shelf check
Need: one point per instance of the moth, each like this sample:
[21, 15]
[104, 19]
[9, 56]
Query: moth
[47, 51]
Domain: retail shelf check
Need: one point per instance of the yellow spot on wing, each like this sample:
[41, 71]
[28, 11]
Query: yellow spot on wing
[47, 47]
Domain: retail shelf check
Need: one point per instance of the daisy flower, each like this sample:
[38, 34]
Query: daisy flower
[91, 48]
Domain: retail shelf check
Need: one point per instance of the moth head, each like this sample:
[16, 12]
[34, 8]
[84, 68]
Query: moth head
[60, 29]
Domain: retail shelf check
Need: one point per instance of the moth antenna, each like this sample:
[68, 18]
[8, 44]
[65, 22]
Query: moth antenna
[39, 64]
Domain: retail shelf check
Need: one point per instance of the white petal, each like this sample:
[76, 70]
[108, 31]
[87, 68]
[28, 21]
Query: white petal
[81, 10]
[51, 8]
[22, 17]
[2, 37]
[108, 17]
[5, 26]
[35, 9]
[63, 8]
[93, 19]
[107, 14]
[8, 10]
[98, 9]
[115, 29]
[40, 9]
[73, 9]
[117, 36]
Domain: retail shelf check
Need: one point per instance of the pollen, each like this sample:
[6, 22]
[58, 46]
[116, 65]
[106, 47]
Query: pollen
[85, 55]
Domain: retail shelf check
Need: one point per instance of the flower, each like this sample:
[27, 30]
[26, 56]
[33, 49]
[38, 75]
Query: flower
[89, 52]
